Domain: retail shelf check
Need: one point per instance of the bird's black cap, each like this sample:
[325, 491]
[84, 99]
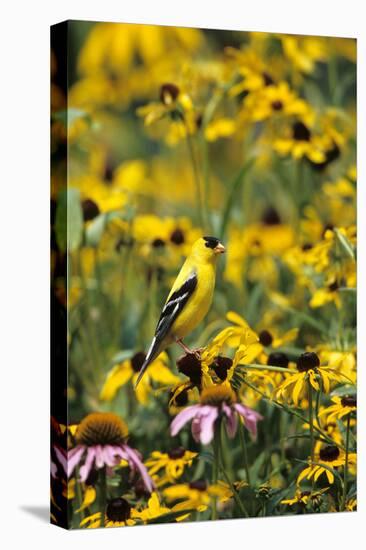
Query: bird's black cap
[211, 242]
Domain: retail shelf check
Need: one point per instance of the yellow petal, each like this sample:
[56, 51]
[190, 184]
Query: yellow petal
[298, 387]
[303, 474]
[89, 498]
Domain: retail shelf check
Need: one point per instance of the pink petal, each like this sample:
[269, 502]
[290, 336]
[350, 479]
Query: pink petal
[61, 457]
[203, 424]
[99, 456]
[232, 421]
[73, 458]
[134, 459]
[53, 470]
[88, 464]
[111, 457]
[182, 418]
[250, 417]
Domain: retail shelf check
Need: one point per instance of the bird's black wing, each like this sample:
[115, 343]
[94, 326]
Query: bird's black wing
[170, 312]
[174, 306]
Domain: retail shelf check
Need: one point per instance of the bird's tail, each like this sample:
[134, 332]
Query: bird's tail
[153, 352]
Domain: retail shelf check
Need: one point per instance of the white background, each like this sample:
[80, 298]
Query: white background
[24, 196]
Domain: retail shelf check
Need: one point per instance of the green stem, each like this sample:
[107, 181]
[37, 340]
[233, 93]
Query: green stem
[289, 411]
[102, 494]
[201, 210]
[78, 492]
[206, 179]
[345, 474]
[229, 482]
[215, 467]
[244, 449]
[267, 367]
[311, 422]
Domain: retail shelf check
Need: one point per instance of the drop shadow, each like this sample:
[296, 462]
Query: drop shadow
[40, 512]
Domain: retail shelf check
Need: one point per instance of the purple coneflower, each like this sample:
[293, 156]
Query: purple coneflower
[215, 401]
[101, 442]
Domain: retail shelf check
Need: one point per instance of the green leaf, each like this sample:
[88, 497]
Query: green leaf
[69, 220]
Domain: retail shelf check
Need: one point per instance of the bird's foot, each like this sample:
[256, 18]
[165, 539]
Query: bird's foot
[196, 352]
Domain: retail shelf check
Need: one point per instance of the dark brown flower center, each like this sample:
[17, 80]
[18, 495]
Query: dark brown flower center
[349, 401]
[333, 286]
[265, 338]
[176, 453]
[118, 509]
[108, 172]
[300, 132]
[179, 399]
[138, 360]
[268, 80]
[101, 429]
[199, 120]
[306, 361]
[200, 485]
[190, 366]
[278, 359]
[140, 489]
[277, 105]
[306, 246]
[168, 93]
[158, 243]
[90, 210]
[329, 453]
[271, 216]
[177, 237]
[221, 365]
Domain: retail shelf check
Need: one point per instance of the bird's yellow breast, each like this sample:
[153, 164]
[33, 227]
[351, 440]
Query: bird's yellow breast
[198, 304]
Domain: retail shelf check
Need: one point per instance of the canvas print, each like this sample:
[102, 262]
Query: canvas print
[203, 267]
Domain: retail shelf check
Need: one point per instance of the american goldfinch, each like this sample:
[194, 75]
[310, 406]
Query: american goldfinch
[189, 299]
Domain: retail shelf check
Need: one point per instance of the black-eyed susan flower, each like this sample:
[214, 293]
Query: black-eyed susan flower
[172, 462]
[276, 100]
[342, 407]
[175, 109]
[197, 495]
[157, 373]
[329, 457]
[302, 498]
[101, 443]
[153, 510]
[215, 401]
[118, 513]
[299, 141]
[309, 369]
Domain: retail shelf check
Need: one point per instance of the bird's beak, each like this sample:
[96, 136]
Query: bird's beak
[219, 249]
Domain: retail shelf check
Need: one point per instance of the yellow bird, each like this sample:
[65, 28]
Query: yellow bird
[189, 299]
